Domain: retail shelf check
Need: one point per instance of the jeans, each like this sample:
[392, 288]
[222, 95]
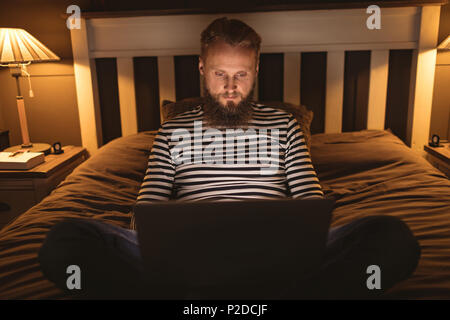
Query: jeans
[111, 265]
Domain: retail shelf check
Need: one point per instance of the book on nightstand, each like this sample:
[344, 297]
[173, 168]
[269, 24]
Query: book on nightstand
[20, 160]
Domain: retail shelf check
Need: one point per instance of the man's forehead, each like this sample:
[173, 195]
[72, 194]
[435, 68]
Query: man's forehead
[222, 53]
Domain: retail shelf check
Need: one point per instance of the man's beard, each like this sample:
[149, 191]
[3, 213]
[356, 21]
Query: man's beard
[232, 116]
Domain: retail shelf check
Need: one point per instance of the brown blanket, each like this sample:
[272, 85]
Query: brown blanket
[368, 172]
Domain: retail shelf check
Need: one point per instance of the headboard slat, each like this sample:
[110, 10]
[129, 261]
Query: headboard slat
[166, 76]
[292, 63]
[270, 77]
[147, 93]
[335, 91]
[256, 90]
[127, 96]
[356, 90]
[313, 86]
[376, 109]
[109, 102]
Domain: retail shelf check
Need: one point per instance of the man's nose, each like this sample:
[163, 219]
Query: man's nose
[230, 84]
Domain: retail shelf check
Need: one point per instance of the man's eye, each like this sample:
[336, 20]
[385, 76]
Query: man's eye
[220, 74]
[242, 75]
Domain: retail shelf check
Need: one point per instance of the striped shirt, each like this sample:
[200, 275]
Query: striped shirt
[191, 161]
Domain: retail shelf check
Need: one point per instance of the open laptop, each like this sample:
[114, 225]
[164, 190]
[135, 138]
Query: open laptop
[254, 249]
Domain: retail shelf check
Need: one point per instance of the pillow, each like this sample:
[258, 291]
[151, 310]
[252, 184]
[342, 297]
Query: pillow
[171, 109]
[303, 115]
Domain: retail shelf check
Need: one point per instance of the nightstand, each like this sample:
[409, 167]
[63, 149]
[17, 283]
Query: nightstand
[22, 189]
[439, 157]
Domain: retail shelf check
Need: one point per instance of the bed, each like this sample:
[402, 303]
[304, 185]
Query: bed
[368, 172]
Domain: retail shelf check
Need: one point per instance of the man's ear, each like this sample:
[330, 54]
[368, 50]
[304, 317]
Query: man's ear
[201, 66]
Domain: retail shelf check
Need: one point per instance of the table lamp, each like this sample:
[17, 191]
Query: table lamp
[18, 49]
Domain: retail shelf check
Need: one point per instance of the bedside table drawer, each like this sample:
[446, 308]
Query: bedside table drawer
[439, 164]
[22, 189]
[13, 203]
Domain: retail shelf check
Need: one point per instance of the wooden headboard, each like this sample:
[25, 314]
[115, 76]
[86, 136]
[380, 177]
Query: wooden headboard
[290, 33]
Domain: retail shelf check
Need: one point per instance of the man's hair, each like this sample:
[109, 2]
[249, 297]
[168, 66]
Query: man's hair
[232, 31]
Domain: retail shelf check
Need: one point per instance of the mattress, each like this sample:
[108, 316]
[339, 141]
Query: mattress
[369, 172]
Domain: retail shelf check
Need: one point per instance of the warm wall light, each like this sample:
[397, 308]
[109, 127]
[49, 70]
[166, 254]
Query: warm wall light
[18, 48]
[445, 45]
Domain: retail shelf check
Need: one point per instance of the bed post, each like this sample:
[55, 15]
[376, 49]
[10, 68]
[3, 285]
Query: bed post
[422, 79]
[84, 86]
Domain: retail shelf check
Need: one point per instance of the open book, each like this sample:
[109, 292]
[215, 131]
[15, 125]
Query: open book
[20, 160]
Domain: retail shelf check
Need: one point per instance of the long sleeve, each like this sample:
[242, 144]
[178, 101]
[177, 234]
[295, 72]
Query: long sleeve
[301, 176]
[159, 177]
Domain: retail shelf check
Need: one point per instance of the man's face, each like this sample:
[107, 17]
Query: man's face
[229, 73]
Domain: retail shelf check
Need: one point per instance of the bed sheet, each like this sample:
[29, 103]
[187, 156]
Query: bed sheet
[369, 172]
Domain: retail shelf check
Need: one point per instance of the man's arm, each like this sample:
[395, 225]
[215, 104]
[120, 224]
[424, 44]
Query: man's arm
[159, 176]
[301, 176]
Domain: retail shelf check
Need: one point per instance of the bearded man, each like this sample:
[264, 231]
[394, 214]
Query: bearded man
[182, 165]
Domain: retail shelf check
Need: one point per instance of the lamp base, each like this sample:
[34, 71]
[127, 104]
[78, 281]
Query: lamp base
[32, 147]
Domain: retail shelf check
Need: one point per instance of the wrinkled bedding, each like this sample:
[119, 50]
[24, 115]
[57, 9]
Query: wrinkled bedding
[369, 172]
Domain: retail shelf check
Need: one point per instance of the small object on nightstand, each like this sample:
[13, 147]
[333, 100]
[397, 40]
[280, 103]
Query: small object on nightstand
[57, 148]
[434, 141]
[20, 160]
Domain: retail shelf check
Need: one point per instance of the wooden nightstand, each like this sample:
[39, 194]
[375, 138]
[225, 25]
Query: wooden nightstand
[439, 157]
[22, 189]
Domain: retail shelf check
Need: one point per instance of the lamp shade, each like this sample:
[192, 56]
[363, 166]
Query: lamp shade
[18, 46]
